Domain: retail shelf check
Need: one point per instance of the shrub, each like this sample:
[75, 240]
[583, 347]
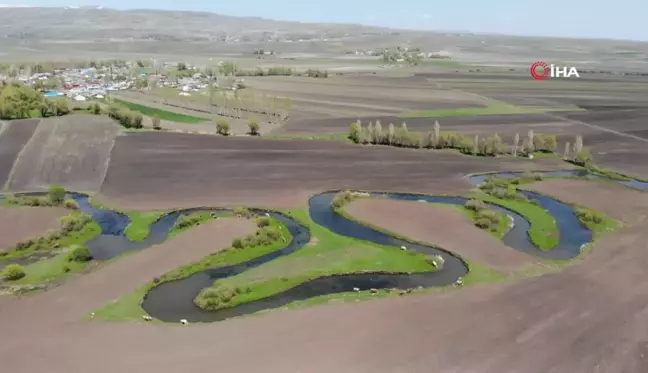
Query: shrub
[583, 157]
[254, 126]
[71, 204]
[237, 243]
[263, 221]
[80, 254]
[222, 127]
[56, 194]
[243, 212]
[13, 272]
[475, 205]
[489, 215]
[483, 224]
[588, 216]
[96, 109]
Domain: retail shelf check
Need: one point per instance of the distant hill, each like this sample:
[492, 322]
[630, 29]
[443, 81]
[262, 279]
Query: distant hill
[95, 23]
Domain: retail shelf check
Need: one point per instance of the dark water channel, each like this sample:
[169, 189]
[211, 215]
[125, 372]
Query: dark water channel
[173, 301]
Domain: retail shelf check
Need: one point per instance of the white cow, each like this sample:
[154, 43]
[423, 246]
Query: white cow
[184, 322]
[403, 248]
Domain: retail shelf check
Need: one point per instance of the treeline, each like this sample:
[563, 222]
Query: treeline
[490, 146]
[19, 101]
[283, 71]
[14, 69]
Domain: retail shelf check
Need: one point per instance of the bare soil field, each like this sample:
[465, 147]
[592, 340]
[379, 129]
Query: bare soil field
[72, 151]
[22, 223]
[238, 126]
[588, 318]
[13, 137]
[163, 170]
[442, 226]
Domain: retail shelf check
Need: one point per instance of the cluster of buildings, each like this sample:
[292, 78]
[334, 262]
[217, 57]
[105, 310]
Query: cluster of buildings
[77, 84]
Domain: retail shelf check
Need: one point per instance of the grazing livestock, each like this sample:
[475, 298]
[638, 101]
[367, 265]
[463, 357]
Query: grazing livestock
[266, 214]
[374, 291]
[459, 281]
[184, 322]
[356, 289]
[403, 248]
[147, 318]
[92, 315]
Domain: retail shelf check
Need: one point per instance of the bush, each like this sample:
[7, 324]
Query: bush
[588, 216]
[80, 254]
[126, 117]
[254, 127]
[56, 194]
[489, 215]
[96, 109]
[583, 157]
[13, 272]
[222, 127]
[484, 224]
[237, 243]
[475, 205]
[263, 221]
[71, 204]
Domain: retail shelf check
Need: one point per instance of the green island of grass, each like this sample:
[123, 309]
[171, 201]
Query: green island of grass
[159, 113]
[140, 223]
[327, 254]
[543, 232]
[60, 264]
[129, 306]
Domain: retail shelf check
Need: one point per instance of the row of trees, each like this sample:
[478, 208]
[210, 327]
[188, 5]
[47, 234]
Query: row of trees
[473, 145]
[19, 101]
[126, 117]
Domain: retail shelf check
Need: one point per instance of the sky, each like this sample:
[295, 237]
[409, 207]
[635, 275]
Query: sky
[621, 19]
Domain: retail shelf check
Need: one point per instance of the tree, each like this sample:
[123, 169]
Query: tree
[222, 127]
[390, 134]
[156, 123]
[567, 148]
[578, 144]
[530, 148]
[56, 194]
[516, 143]
[355, 130]
[182, 66]
[140, 64]
[19, 101]
[62, 107]
[475, 149]
[437, 133]
[583, 157]
[378, 133]
[254, 126]
[370, 133]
